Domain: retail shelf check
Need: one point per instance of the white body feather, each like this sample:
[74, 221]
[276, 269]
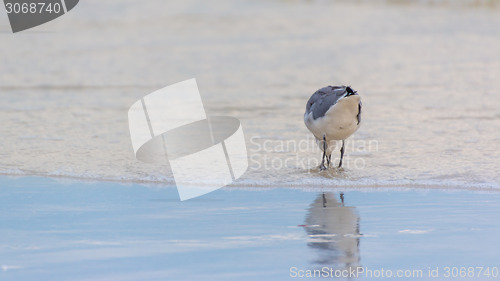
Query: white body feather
[339, 122]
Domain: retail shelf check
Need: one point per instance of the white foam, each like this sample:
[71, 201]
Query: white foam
[415, 231]
[9, 267]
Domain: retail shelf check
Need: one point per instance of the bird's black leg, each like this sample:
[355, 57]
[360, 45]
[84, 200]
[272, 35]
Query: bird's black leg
[341, 154]
[328, 160]
[322, 166]
[342, 198]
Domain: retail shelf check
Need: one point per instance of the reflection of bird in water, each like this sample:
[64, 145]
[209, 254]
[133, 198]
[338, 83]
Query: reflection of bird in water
[333, 230]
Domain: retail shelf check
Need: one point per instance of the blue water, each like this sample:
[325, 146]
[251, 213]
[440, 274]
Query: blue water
[105, 231]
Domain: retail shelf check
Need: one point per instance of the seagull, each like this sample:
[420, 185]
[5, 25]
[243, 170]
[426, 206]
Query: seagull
[332, 114]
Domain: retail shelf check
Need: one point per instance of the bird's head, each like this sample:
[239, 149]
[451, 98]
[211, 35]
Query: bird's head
[350, 91]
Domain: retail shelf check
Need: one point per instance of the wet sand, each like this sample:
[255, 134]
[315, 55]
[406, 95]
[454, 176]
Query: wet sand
[427, 73]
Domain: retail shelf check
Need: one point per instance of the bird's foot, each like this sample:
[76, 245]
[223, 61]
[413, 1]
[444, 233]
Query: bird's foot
[339, 170]
[322, 167]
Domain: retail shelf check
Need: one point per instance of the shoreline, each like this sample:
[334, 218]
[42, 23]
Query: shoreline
[313, 187]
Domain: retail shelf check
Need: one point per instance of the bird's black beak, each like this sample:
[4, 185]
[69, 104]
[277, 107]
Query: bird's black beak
[350, 91]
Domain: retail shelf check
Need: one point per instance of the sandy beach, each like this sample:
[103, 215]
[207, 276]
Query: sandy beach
[418, 195]
[426, 73]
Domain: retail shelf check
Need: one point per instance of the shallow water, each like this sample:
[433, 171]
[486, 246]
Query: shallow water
[427, 74]
[72, 231]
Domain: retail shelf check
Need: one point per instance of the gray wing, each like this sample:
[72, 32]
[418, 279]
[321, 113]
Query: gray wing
[323, 99]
